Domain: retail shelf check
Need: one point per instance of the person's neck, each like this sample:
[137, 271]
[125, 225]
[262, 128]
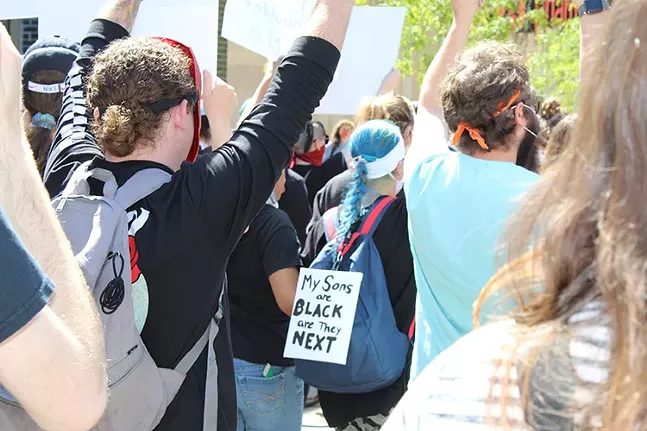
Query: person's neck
[497, 155]
[149, 153]
[381, 188]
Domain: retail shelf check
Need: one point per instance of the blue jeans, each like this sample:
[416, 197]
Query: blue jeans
[268, 403]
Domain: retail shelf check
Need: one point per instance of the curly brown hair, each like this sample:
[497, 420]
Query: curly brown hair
[40, 139]
[483, 78]
[130, 74]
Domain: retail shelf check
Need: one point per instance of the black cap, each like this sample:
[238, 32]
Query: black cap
[51, 53]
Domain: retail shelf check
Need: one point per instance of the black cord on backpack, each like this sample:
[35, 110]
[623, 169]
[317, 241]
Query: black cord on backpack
[113, 295]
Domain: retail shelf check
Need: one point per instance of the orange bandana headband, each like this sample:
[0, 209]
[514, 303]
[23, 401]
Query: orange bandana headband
[474, 132]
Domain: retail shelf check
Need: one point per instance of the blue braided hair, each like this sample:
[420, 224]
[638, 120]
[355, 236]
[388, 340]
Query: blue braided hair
[371, 141]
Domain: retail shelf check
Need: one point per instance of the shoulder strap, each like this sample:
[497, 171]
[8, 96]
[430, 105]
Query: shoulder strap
[330, 223]
[370, 223]
[374, 217]
[412, 328]
[140, 185]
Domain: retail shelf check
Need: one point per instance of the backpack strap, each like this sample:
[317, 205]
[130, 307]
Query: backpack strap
[370, 223]
[140, 185]
[330, 223]
[412, 328]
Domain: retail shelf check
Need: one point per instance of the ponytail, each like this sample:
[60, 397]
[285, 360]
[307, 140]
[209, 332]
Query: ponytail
[351, 208]
[40, 140]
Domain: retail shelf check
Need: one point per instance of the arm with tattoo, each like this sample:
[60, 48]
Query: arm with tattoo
[122, 12]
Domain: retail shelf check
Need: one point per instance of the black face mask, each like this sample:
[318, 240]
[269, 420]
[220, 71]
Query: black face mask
[528, 154]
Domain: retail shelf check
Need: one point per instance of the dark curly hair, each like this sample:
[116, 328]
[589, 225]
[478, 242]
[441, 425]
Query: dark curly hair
[484, 78]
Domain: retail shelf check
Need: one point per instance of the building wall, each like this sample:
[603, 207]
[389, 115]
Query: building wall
[24, 32]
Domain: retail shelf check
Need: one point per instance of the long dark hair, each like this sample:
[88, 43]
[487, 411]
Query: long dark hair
[38, 134]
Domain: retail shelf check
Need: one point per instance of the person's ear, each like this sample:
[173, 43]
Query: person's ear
[179, 115]
[96, 114]
[407, 135]
[520, 116]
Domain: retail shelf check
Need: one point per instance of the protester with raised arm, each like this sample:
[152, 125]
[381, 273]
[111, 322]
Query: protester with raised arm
[141, 111]
[458, 202]
[52, 361]
[571, 356]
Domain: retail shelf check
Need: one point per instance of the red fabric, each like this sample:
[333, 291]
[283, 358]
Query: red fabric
[412, 328]
[135, 272]
[314, 158]
[475, 134]
[368, 224]
[197, 79]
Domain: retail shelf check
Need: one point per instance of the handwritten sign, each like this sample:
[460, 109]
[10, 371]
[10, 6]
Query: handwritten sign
[192, 22]
[266, 27]
[323, 315]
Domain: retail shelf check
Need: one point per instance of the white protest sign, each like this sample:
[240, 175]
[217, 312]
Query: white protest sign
[370, 52]
[323, 315]
[192, 22]
[267, 27]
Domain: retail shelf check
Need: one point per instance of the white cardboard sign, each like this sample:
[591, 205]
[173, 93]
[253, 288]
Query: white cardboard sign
[323, 315]
[370, 52]
[268, 27]
[192, 22]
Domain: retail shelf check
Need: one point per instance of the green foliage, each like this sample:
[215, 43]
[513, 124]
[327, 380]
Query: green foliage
[554, 64]
[553, 57]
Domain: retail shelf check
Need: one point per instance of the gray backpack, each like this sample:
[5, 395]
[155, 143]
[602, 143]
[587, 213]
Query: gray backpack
[97, 227]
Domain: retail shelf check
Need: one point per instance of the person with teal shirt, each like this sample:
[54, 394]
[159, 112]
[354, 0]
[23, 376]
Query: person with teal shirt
[458, 202]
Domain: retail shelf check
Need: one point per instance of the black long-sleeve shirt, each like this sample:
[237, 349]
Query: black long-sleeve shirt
[185, 231]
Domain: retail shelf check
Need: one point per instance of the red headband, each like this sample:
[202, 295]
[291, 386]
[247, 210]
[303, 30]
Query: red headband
[475, 133]
[197, 79]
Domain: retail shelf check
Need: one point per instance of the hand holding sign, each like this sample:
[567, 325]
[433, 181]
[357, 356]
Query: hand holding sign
[323, 315]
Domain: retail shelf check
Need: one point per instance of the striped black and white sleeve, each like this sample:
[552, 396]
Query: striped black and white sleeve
[74, 142]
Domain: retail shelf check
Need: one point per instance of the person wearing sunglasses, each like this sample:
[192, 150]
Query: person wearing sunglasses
[134, 103]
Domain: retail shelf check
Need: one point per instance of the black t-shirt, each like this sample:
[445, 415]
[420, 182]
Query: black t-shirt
[317, 176]
[295, 203]
[24, 288]
[183, 233]
[258, 326]
[392, 241]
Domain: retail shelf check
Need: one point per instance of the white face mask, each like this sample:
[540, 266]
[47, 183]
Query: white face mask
[399, 184]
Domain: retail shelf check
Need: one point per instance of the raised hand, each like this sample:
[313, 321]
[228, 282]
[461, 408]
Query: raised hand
[221, 106]
[464, 10]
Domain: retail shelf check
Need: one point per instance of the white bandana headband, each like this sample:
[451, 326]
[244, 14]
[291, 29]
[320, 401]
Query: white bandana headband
[387, 164]
[45, 88]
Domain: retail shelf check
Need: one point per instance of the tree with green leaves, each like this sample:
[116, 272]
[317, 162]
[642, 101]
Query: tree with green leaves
[552, 49]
